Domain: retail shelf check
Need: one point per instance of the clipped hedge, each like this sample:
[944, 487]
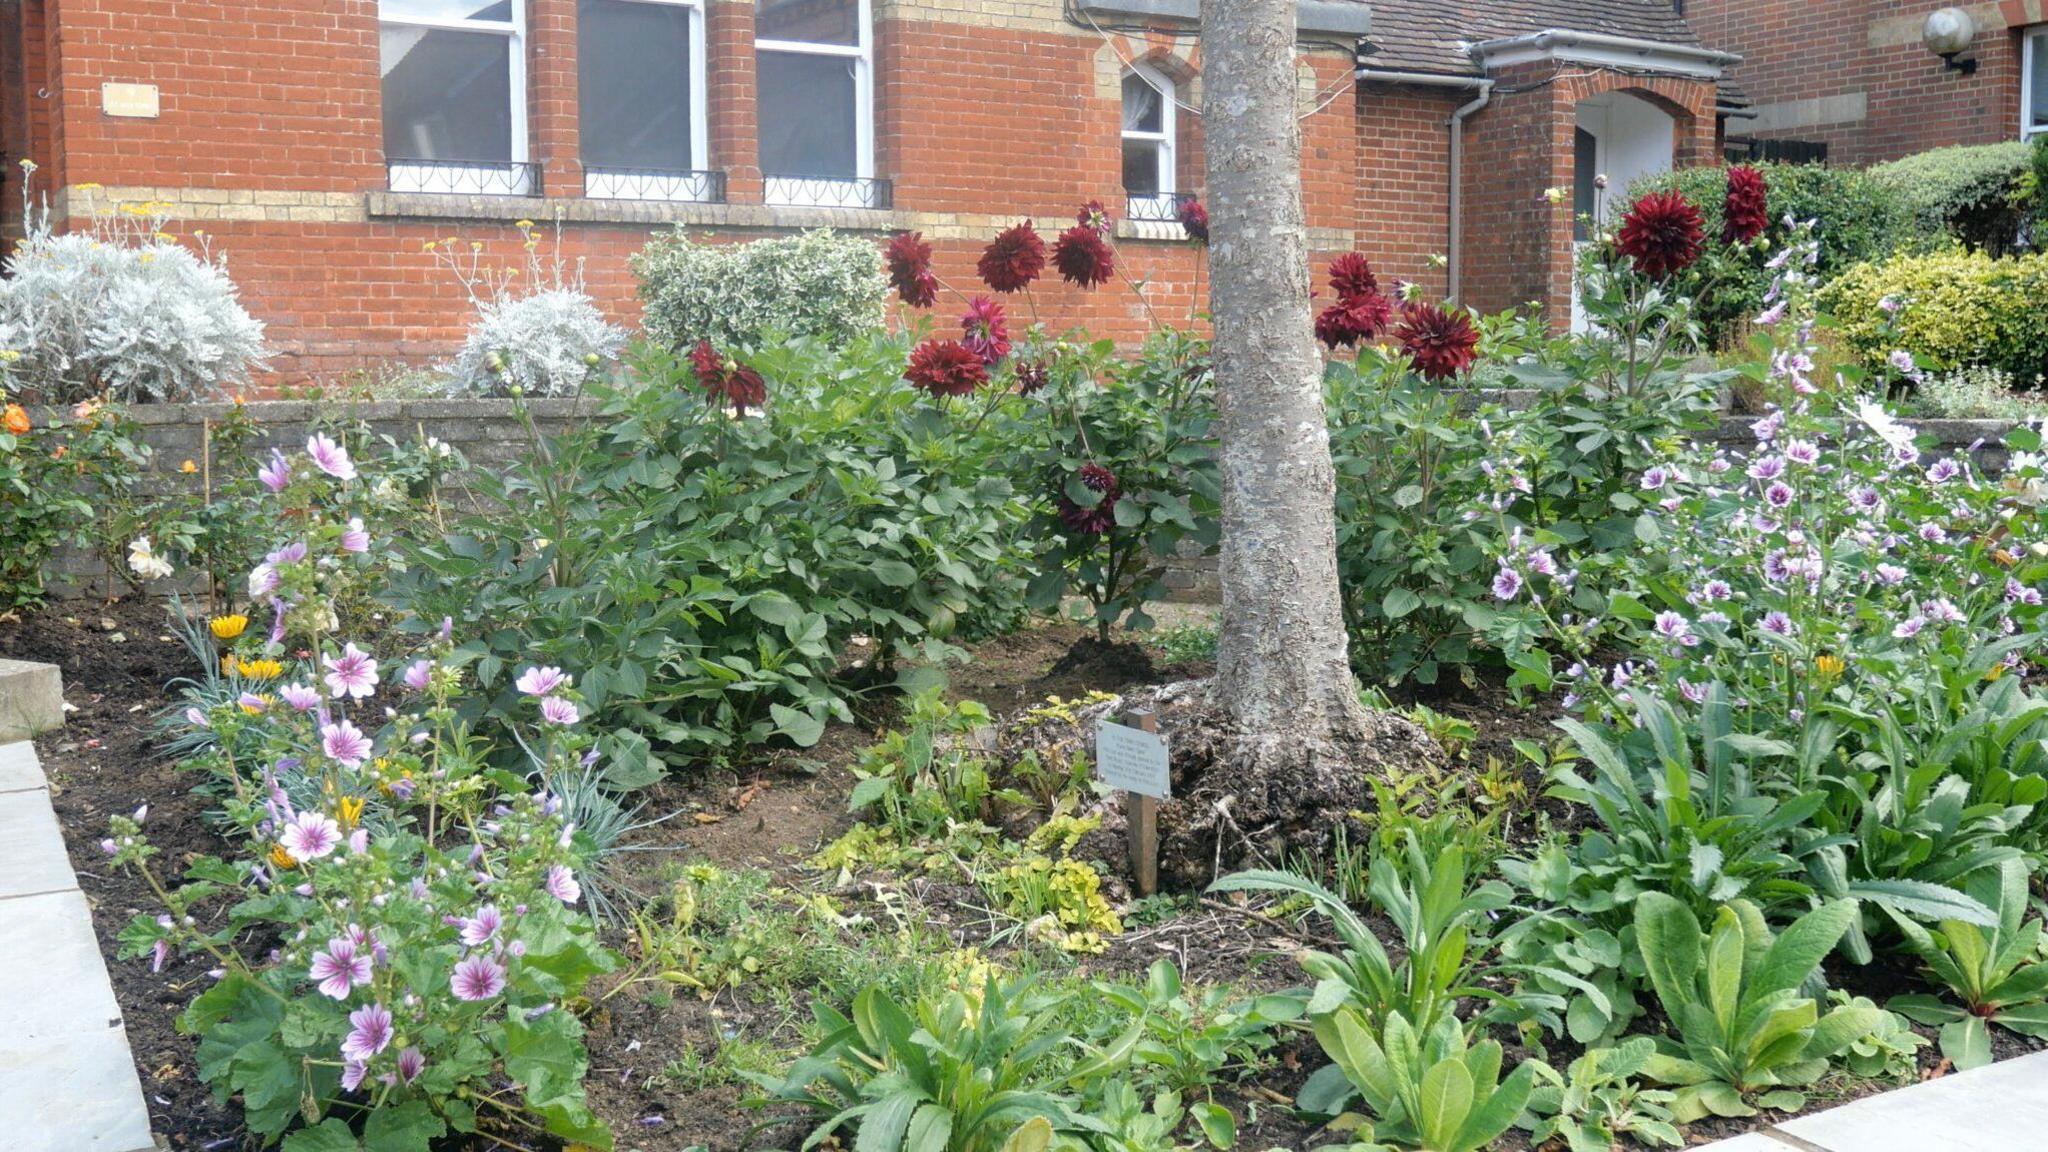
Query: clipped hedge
[819, 283]
[1860, 218]
[1961, 309]
[1981, 194]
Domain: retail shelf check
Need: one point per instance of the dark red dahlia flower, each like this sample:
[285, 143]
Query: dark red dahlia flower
[1032, 375]
[1351, 275]
[1661, 234]
[1102, 517]
[1353, 319]
[1195, 219]
[1014, 259]
[733, 384]
[1442, 342]
[985, 331]
[1094, 215]
[910, 269]
[946, 368]
[1084, 257]
[1743, 215]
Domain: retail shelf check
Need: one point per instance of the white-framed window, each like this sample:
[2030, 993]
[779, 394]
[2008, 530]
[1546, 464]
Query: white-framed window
[1148, 140]
[642, 98]
[454, 84]
[2034, 82]
[814, 98]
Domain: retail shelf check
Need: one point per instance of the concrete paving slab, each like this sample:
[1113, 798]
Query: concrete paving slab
[75, 1093]
[32, 857]
[1999, 1108]
[19, 768]
[31, 699]
[56, 983]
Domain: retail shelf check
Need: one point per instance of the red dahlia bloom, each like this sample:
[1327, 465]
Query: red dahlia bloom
[732, 384]
[1094, 215]
[910, 269]
[985, 331]
[1442, 343]
[1084, 257]
[1743, 214]
[1195, 219]
[1102, 517]
[1351, 275]
[946, 368]
[1032, 375]
[1353, 319]
[1014, 259]
[1661, 234]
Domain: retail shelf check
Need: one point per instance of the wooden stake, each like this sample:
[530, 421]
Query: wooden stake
[1141, 816]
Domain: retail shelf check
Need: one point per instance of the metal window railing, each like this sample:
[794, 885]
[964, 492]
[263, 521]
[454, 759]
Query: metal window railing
[471, 178]
[1157, 207]
[829, 191]
[607, 182]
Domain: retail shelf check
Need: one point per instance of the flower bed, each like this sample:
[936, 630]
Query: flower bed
[620, 803]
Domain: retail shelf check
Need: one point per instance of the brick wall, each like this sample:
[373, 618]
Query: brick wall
[270, 141]
[1518, 246]
[1853, 74]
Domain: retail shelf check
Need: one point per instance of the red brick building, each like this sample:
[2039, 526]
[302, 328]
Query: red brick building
[1851, 81]
[323, 143]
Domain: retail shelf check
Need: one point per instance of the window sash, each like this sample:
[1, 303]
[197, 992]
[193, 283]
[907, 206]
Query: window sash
[409, 174]
[1165, 139]
[790, 186]
[2033, 102]
[611, 186]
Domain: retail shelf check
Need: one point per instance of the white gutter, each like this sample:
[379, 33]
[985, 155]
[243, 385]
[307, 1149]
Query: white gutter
[1610, 51]
[1457, 126]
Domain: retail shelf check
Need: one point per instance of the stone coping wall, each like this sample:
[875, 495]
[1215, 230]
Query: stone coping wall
[490, 435]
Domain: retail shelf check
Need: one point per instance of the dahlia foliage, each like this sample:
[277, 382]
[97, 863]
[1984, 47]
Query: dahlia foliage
[428, 909]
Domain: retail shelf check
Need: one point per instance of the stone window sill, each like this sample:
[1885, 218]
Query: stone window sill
[579, 210]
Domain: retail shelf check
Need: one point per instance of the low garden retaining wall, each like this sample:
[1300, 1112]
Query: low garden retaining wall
[490, 435]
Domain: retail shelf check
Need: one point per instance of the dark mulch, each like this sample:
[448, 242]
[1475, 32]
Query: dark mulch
[116, 660]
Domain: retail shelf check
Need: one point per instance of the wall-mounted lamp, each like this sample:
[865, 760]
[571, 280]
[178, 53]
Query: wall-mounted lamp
[1948, 33]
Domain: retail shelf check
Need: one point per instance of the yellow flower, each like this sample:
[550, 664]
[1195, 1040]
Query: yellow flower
[1829, 666]
[257, 709]
[264, 669]
[188, 467]
[227, 664]
[281, 858]
[227, 627]
[350, 812]
[522, 224]
[1996, 671]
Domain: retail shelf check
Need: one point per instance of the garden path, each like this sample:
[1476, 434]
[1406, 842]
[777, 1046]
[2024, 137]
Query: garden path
[2000, 1107]
[67, 1080]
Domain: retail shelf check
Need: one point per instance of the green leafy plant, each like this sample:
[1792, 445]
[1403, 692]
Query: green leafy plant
[967, 1073]
[1429, 1091]
[1195, 1036]
[1442, 924]
[1995, 974]
[1596, 1104]
[819, 283]
[1745, 1035]
[1123, 452]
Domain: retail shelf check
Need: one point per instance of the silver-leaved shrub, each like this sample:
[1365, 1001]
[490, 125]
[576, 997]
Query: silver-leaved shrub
[121, 310]
[819, 284]
[546, 344]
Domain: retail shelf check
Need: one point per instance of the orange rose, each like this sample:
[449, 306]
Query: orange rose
[16, 420]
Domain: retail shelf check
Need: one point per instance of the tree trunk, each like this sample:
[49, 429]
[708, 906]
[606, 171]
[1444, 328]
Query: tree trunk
[1283, 676]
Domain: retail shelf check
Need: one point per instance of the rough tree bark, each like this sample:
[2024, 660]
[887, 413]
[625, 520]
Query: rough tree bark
[1283, 675]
